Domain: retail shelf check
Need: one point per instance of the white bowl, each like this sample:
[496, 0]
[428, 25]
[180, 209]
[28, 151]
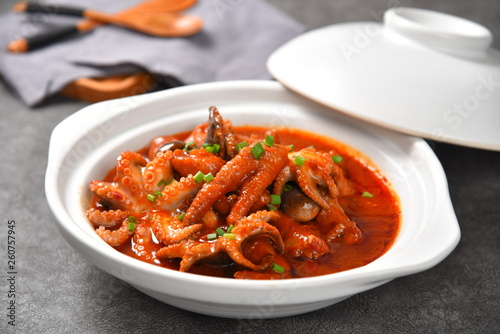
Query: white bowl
[84, 147]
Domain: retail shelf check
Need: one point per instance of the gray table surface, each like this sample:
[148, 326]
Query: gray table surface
[58, 291]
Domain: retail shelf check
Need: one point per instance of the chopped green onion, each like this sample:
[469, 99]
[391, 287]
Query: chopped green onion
[299, 160]
[132, 221]
[231, 236]
[198, 177]
[181, 216]
[269, 140]
[337, 159]
[287, 187]
[275, 199]
[258, 151]
[211, 236]
[188, 145]
[208, 177]
[131, 227]
[292, 147]
[230, 228]
[212, 148]
[154, 196]
[161, 183]
[277, 268]
[220, 232]
[241, 145]
[367, 194]
[272, 207]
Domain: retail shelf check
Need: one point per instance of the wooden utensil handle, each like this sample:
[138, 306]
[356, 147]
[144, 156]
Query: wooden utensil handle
[51, 35]
[42, 39]
[53, 9]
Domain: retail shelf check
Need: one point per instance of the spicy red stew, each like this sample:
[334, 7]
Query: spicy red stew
[246, 202]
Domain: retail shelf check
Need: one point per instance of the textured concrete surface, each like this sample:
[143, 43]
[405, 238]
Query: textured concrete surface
[58, 291]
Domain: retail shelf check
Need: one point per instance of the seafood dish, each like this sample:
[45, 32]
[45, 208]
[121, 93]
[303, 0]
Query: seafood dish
[145, 192]
[246, 202]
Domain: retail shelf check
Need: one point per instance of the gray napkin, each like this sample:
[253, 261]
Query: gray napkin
[237, 38]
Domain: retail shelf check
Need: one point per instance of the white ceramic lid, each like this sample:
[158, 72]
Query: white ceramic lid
[422, 73]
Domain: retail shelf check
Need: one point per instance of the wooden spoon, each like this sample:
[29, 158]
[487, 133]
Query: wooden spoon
[149, 18]
[157, 24]
[155, 17]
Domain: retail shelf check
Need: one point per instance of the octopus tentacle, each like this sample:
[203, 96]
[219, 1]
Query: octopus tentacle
[116, 196]
[286, 175]
[244, 231]
[224, 204]
[220, 131]
[198, 135]
[129, 172]
[196, 252]
[260, 216]
[157, 170]
[343, 227]
[301, 240]
[109, 218]
[248, 228]
[233, 174]
[202, 251]
[315, 171]
[318, 170]
[115, 237]
[211, 220]
[174, 194]
[142, 236]
[230, 142]
[126, 191]
[268, 273]
[304, 241]
[171, 230]
[270, 164]
[344, 186]
[174, 251]
[234, 247]
[228, 179]
[163, 144]
[253, 226]
[309, 184]
[262, 201]
[196, 160]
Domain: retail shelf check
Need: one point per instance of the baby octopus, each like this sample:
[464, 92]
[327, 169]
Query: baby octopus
[212, 196]
[323, 182]
[255, 225]
[138, 187]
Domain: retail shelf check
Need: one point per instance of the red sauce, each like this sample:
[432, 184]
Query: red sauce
[378, 217]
